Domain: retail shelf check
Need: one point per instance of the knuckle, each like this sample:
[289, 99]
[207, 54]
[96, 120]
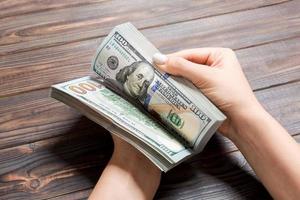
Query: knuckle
[176, 62]
[180, 61]
[175, 65]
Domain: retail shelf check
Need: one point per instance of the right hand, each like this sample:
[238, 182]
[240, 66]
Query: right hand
[218, 74]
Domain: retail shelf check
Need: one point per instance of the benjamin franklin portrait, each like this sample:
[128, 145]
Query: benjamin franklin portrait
[136, 79]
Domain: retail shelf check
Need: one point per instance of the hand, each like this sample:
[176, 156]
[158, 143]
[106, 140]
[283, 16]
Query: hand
[128, 175]
[218, 74]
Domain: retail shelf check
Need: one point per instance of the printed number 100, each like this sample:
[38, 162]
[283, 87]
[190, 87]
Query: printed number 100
[83, 88]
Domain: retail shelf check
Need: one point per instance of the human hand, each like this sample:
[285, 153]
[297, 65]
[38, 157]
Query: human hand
[128, 175]
[258, 136]
[218, 74]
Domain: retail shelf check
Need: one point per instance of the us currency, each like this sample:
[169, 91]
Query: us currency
[87, 95]
[124, 59]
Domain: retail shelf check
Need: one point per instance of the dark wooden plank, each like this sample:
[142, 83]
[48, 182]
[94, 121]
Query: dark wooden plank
[35, 116]
[59, 26]
[271, 64]
[72, 163]
[264, 65]
[41, 68]
[77, 195]
[222, 177]
[59, 166]
[48, 151]
[68, 143]
[284, 104]
[236, 30]
[10, 8]
[55, 166]
[32, 117]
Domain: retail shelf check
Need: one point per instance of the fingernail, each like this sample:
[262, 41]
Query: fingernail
[159, 58]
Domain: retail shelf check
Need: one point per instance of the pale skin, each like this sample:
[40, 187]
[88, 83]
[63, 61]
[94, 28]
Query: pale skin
[268, 148]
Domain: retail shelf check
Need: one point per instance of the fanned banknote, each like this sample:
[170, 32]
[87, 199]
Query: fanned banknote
[166, 118]
[124, 59]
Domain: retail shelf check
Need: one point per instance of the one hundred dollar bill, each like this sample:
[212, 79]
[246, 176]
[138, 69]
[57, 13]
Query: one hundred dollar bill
[165, 117]
[116, 114]
[124, 60]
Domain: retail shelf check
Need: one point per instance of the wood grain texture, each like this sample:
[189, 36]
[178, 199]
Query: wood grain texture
[54, 166]
[22, 7]
[264, 65]
[271, 64]
[43, 67]
[49, 151]
[59, 166]
[77, 195]
[51, 168]
[60, 26]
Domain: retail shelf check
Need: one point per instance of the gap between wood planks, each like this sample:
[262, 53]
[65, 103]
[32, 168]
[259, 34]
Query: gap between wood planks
[237, 50]
[143, 28]
[52, 7]
[255, 90]
[238, 43]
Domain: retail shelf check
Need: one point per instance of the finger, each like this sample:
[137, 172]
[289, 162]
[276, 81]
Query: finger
[198, 55]
[179, 66]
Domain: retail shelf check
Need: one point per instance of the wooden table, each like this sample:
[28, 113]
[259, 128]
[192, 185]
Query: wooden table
[50, 151]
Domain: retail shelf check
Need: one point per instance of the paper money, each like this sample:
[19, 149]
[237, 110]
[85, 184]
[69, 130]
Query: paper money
[124, 59]
[165, 117]
[89, 94]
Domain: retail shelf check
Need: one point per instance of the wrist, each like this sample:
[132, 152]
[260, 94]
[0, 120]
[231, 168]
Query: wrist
[129, 173]
[129, 159]
[243, 119]
[136, 171]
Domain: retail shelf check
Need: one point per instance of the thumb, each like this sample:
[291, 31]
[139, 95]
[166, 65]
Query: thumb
[179, 66]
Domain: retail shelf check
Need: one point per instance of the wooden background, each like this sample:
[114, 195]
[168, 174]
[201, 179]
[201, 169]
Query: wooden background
[50, 151]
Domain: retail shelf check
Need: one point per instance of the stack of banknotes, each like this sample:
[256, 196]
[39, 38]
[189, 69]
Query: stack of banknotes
[165, 117]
